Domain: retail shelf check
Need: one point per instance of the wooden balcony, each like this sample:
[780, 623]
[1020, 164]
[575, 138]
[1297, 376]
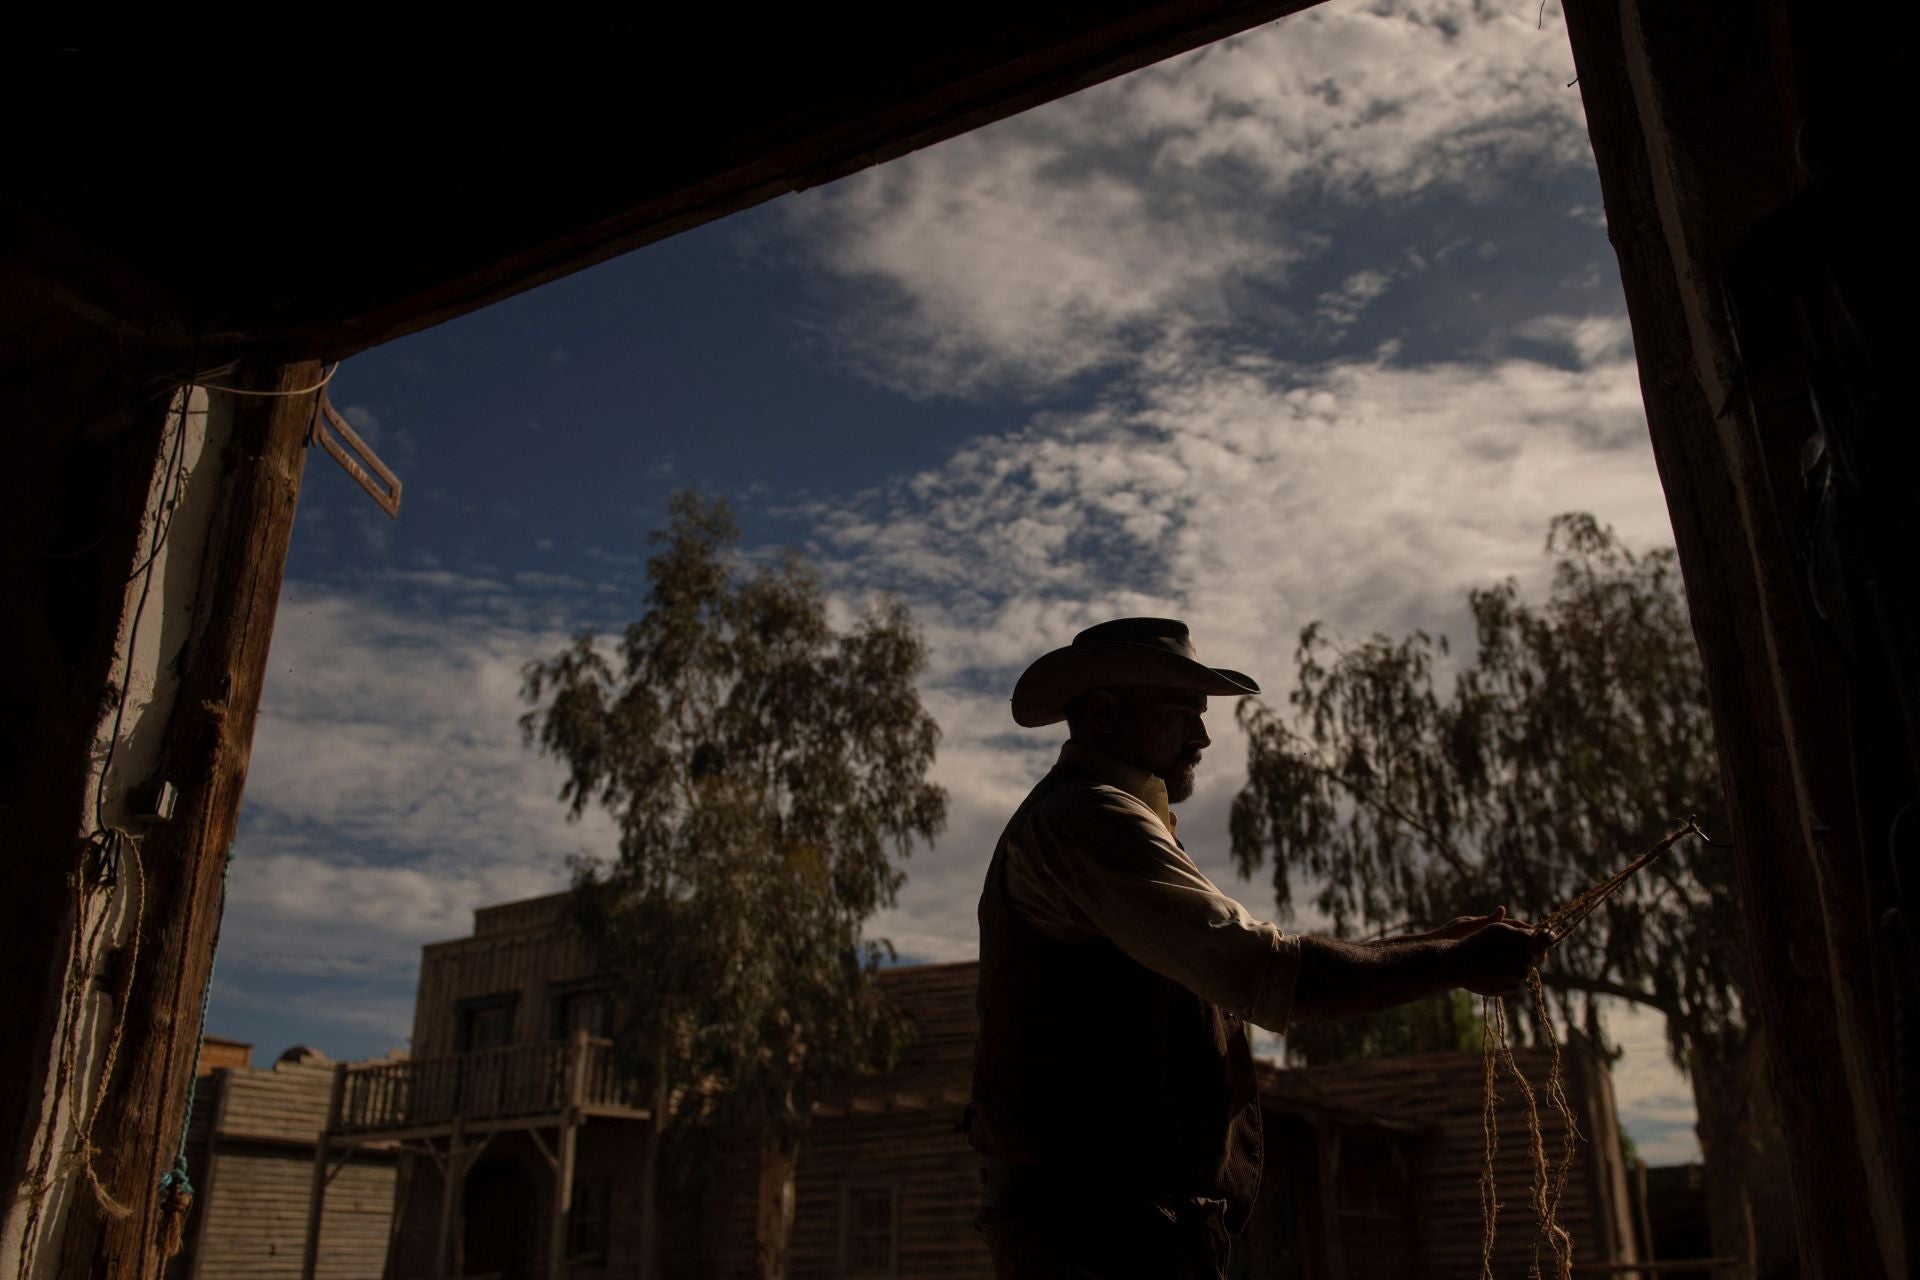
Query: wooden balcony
[449, 1109]
[486, 1088]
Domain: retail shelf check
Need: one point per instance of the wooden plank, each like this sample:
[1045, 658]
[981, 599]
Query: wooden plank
[254, 1228]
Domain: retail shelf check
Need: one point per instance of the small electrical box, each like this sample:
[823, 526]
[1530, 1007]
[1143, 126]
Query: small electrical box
[155, 802]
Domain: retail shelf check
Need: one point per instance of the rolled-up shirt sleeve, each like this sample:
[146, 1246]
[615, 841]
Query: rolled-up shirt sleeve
[1095, 859]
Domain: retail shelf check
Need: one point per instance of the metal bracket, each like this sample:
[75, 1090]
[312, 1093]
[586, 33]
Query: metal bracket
[381, 485]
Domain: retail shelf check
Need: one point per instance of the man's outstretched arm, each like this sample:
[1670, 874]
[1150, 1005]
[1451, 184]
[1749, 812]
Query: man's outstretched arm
[1489, 955]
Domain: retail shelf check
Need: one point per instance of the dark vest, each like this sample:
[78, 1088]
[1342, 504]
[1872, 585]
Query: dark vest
[1100, 1076]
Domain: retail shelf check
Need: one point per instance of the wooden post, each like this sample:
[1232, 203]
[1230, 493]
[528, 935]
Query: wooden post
[562, 1199]
[452, 1174]
[1690, 112]
[650, 1179]
[402, 1192]
[575, 1096]
[1329, 1151]
[322, 1151]
[1647, 1252]
[234, 555]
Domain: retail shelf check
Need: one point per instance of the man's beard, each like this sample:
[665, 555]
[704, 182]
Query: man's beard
[1179, 777]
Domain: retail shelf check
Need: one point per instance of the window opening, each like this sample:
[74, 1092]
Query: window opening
[588, 1009]
[486, 1022]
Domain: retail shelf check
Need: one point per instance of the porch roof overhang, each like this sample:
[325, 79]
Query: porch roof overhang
[294, 183]
[1286, 1093]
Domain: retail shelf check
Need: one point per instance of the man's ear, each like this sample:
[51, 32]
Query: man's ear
[1103, 710]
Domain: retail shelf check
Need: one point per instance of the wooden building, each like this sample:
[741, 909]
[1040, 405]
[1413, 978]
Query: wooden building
[507, 1114]
[250, 1151]
[522, 1159]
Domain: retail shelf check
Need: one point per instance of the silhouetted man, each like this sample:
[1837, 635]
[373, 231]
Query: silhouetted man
[1114, 1105]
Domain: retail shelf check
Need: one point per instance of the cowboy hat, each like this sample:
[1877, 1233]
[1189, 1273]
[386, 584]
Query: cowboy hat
[1154, 651]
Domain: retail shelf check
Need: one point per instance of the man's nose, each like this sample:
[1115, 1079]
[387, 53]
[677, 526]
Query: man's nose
[1198, 739]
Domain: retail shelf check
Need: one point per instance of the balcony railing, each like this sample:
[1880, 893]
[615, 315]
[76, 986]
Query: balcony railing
[541, 1078]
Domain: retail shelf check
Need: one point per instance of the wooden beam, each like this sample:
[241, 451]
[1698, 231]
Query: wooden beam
[237, 559]
[1652, 1268]
[1690, 111]
[562, 1201]
[402, 1192]
[1327, 1147]
[322, 1175]
[624, 128]
[316, 1204]
[452, 1174]
[651, 1253]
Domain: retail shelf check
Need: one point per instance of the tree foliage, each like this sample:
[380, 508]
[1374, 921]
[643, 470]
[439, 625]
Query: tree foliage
[767, 774]
[1448, 1022]
[1577, 735]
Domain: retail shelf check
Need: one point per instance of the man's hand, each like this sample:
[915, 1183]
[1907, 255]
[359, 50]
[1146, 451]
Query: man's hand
[1461, 926]
[1490, 955]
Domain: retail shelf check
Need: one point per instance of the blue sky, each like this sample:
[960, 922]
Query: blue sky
[1319, 322]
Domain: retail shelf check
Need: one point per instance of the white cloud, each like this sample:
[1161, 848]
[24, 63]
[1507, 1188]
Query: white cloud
[1341, 307]
[1260, 496]
[1585, 338]
[389, 793]
[989, 264]
[1374, 100]
[1084, 233]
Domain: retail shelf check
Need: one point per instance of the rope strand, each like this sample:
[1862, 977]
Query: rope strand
[297, 391]
[1496, 1046]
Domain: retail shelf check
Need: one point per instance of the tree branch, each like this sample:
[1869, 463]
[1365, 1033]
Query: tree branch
[1602, 987]
[1440, 844]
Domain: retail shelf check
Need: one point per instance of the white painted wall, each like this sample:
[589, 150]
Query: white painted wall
[182, 502]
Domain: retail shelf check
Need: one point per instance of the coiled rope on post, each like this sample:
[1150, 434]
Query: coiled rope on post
[1549, 1182]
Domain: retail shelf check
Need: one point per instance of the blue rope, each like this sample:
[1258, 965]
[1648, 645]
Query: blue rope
[176, 1179]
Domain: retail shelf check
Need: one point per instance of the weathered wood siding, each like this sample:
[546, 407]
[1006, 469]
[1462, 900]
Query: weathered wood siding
[1446, 1091]
[522, 948]
[256, 1224]
[932, 1173]
[218, 1051]
[251, 1152]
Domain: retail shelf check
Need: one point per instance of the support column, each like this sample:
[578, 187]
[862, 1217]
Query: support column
[453, 1172]
[651, 1261]
[562, 1198]
[574, 1097]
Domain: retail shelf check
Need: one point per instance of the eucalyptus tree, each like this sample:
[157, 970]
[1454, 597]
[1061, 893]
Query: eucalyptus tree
[767, 773]
[1576, 736]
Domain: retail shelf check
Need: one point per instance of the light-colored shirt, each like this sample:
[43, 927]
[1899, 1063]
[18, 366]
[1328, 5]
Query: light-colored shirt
[1100, 858]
